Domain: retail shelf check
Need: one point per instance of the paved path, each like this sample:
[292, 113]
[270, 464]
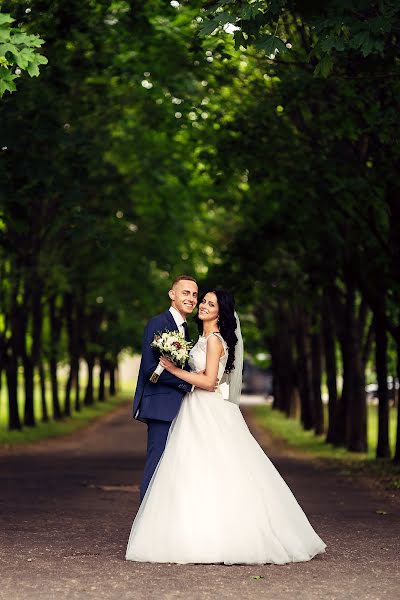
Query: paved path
[66, 509]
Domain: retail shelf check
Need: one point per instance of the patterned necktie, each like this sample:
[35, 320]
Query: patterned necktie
[186, 330]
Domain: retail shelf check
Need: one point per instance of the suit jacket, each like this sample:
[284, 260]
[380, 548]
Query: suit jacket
[160, 400]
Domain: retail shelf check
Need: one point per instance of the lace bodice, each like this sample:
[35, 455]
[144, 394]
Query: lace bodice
[197, 357]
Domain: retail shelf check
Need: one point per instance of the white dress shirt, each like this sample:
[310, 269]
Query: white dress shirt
[179, 320]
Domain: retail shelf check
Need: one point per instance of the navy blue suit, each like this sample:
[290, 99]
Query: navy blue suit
[156, 404]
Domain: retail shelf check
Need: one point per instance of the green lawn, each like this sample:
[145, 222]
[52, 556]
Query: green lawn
[52, 428]
[291, 431]
[351, 463]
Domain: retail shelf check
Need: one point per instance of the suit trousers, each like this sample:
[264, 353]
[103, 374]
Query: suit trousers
[157, 433]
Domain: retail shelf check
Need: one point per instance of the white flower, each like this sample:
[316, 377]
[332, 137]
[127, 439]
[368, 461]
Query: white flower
[172, 345]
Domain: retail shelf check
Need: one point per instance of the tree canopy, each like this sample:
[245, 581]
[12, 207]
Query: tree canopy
[250, 144]
[18, 51]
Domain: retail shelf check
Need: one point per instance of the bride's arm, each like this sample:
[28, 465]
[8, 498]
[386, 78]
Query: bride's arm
[207, 380]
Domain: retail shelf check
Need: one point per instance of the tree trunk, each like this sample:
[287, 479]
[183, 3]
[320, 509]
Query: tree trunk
[102, 393]
[396, 458]
[116, 377]
[316, 372]
[68, 390]
[330, 367]
[351, 417]
[393, 201]
[276, 392]
[36, 350]
[341, 310]
[77, 384]
[73, 350]
[23, 314]
[42, 376]
[54, 389]
[112, 387]
[286, 367]
[304, 375]
[344, 399]
[357, 408]
[383, 447]
[67, 398]
[357, 434]
[89, 396]
[55, 330]
[14, 422]
[29, 409]
[279, 402]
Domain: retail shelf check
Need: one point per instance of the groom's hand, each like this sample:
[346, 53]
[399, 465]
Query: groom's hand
[168, 365]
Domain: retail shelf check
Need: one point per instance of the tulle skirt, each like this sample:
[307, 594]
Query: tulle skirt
[215, 496]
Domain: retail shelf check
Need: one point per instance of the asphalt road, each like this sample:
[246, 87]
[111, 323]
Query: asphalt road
[66, 509]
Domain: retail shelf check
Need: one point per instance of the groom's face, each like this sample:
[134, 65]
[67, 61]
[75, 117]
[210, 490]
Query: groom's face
[184, 296]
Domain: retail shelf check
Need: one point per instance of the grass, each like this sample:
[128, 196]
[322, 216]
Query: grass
[349, 463]
[52, 428]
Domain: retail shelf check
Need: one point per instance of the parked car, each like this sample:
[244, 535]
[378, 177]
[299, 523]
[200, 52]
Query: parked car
[371, 390]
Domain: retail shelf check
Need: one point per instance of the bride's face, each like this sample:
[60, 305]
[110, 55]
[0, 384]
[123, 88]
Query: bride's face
[208, 307]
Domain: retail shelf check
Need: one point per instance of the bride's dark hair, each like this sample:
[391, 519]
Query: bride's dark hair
[226, 323]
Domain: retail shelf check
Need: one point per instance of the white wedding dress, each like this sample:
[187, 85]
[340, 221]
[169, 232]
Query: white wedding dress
[215, 497]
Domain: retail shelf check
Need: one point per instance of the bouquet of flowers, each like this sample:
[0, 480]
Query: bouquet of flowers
[172, 345]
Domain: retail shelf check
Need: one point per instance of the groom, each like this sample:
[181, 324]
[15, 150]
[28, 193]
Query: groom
[157, 404]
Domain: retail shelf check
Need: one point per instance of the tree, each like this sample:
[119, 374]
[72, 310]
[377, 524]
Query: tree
[17, 51]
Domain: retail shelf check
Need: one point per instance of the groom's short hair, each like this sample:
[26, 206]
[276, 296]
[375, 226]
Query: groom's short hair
[182, 278]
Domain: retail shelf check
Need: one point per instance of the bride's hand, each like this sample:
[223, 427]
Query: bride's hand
[168, 365]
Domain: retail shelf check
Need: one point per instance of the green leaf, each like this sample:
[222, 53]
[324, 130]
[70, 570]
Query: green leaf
[380, 24]
[209, 27]
[24, 57]
[270, 44]
[33, 69]
[250, 12]
[225, 18]
[212, 9]
[5, 18]
[40, 59]
[367, 46]
[324, 67]
[332, 42]
[29, 40]
[359, 39]
[6, 81]
[240, 40]
[7, 47]
[4, 35]
[339, 44]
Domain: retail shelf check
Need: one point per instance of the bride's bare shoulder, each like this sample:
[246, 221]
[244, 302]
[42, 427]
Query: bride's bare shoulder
[215, 342]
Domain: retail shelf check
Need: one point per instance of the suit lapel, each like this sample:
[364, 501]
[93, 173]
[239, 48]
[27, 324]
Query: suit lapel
[171, 320]
[174, 326]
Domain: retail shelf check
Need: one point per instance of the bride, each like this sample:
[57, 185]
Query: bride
[215, 497]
